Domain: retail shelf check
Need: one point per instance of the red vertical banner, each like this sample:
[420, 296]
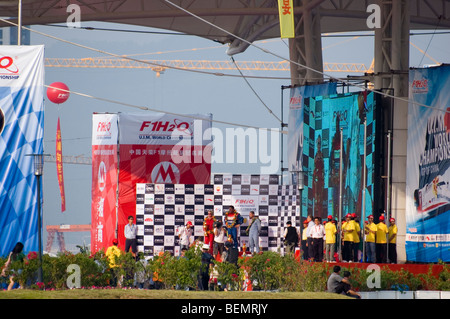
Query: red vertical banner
[59, 166]
[134, 148]
[104, 181]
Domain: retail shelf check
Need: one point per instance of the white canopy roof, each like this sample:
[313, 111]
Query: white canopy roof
[249, 19]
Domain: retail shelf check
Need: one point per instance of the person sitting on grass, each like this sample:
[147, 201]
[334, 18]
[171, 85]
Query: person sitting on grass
[345, 288]
[339, 285]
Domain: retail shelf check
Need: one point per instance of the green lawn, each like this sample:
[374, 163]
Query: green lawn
[160, 294]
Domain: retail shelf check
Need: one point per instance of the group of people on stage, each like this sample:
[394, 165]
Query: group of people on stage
[222, 234]
[319, 239]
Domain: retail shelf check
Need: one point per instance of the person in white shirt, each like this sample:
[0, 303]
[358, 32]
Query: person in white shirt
[185, 234]
[317, 233]
[253, 230]
[220, 236]
[309, 245]
[130, 232]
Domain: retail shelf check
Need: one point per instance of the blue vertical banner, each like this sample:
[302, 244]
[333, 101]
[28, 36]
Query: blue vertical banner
[428, 166]
[316, 117]
[21, 134]
[296, 105]
[324, 117]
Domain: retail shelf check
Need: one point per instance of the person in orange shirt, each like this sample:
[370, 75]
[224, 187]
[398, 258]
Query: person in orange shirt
[381, 241]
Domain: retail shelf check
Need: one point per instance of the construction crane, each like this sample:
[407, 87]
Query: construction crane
[159, 66]
[59, 231]
[79, 159]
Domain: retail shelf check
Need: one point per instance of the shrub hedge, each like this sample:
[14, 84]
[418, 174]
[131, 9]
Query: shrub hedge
[265, 271]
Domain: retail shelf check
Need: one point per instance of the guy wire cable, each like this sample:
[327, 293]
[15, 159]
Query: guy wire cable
[138, 60]
[246, 81]
[348, 83]
[164, 111]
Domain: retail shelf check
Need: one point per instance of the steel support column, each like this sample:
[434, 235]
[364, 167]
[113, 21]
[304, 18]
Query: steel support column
[306, 47]
[392, 47]
[391, 75]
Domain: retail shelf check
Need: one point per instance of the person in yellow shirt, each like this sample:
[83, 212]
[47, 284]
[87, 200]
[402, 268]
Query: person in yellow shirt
[356, 240]
[392, 241]
[330, 239]
[113, 253]
[347, 232]
[381, 241]
[370, 230]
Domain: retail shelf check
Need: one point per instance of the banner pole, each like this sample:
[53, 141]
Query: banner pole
[118, 181]
[19, 24]
[281, 139]
[340, 192]
[388, 188]
[388, 179]
[364, 190]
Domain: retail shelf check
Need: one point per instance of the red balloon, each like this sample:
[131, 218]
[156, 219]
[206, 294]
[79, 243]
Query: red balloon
[56, 95]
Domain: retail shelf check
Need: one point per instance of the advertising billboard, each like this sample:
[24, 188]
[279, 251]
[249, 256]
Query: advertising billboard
[324, 118]
[161, 209]
[21, 133]
[142, 148]
[428, 166]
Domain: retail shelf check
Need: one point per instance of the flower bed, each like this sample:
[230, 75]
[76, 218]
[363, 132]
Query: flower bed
[265, 271]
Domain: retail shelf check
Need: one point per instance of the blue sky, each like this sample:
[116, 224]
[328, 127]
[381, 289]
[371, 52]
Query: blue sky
[227, 98]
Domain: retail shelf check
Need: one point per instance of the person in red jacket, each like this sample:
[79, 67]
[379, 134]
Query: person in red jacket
[208, 229]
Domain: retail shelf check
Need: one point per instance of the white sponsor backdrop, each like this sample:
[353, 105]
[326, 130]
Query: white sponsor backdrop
[162, 208]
